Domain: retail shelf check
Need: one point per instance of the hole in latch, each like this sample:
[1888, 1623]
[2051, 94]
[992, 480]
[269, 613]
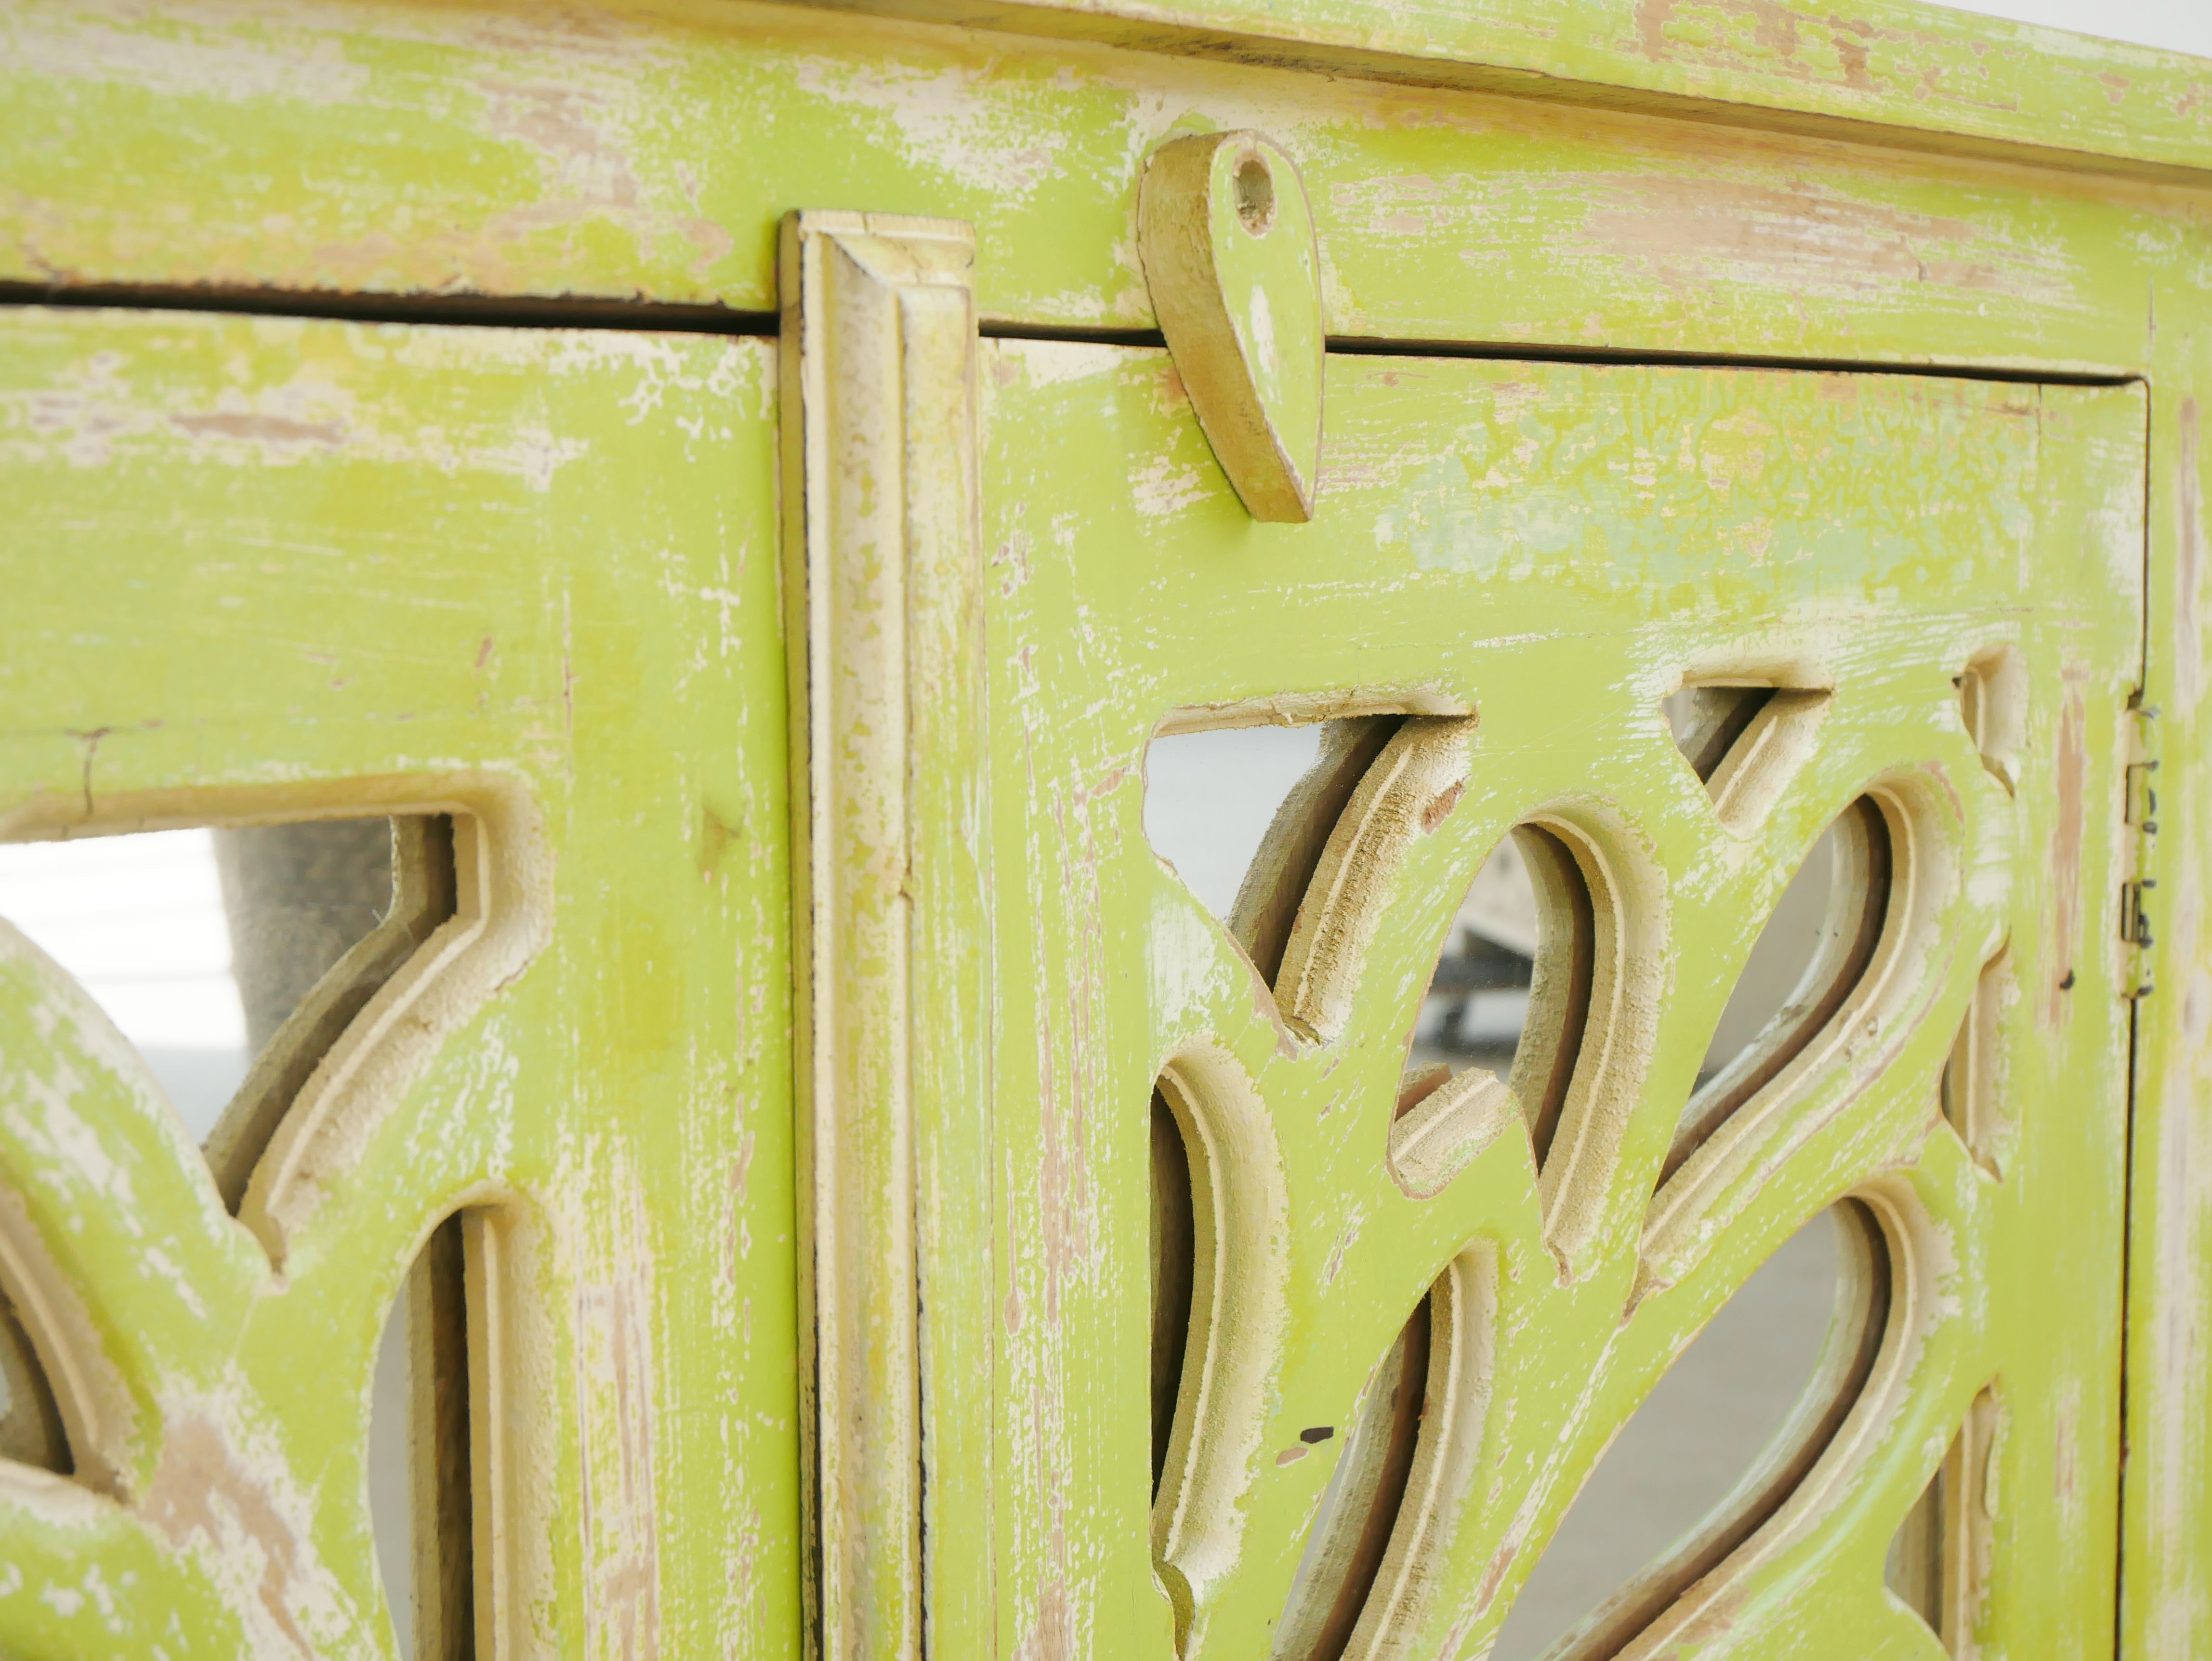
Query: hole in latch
[1255, 195]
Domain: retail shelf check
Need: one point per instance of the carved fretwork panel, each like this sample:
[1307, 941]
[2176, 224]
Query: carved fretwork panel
[1137, 1297]
[1913, 605]
[516, 588]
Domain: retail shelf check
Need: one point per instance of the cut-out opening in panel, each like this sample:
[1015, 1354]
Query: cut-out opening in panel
[231, 958]
[137, 921]
[1993, 704]
[421, 1453]
[1787, 943]
[1707, 722]
[1968, 1086]
[1244, 816]
[1511, 992]
[1173, 1255]
[297, 898]
[201, 945]
[1715, 1450]
[1937, 1559]
[322, 920]
[1478, 999]
[1810, 955]
[31, 1428]
[1914, 1567]
[1359, 1508]
[1211, 798]
[1742, 739]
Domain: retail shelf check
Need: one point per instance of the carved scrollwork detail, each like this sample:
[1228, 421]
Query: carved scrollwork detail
[1557, 1236]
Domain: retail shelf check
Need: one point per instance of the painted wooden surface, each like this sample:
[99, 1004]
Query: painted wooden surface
[879, 576]
[1533, 557]
[1921, 76]
[609, 156]
[1226, 236]
[528, 579]
[620, 155]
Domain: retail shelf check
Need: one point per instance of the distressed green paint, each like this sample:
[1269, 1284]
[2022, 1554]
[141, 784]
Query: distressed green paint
[1926, 77]
[624, 154]
[2166, 1579]
[1553, 549]
[645, 152]
[531, 574]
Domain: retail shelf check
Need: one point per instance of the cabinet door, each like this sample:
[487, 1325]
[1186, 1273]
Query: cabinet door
[514, 589]
[1237, 1334]
[1915, 605]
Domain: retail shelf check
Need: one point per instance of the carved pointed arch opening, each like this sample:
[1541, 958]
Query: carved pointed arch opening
[207, 954]
[1744, 738]
[297, 1010]
[1940, 1559]
[1379, 1538]
[333, 977]
[32, 1431]
[1384, 770]
[421, 1446]
[1563, 908]
[1219, 1263]
[1993, 696]
[1787, 1481]
[1282, 872]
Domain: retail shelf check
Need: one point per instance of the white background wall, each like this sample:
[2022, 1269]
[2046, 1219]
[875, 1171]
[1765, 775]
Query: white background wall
[2174, 25]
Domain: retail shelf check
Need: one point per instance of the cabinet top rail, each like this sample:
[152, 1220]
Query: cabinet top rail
[1893, 72]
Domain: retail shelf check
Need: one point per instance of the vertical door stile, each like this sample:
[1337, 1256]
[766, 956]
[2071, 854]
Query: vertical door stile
[882, 596]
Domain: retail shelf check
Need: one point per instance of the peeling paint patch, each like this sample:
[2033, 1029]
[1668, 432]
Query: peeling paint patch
[230, 1502]
[616, 1394]
[1165, 486]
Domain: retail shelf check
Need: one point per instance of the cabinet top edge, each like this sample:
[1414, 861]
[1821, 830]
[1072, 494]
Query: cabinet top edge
[1894, 73]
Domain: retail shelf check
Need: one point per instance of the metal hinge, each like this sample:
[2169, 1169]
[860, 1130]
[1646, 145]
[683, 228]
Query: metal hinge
[2140, 812]
[2134, 922]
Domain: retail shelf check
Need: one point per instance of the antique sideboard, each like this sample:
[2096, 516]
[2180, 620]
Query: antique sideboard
[746, 491]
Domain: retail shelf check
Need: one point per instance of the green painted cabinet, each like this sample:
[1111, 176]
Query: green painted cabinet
[714, 479]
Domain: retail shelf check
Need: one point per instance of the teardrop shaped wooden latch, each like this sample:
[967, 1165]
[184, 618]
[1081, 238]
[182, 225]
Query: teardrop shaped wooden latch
[1227, 239]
